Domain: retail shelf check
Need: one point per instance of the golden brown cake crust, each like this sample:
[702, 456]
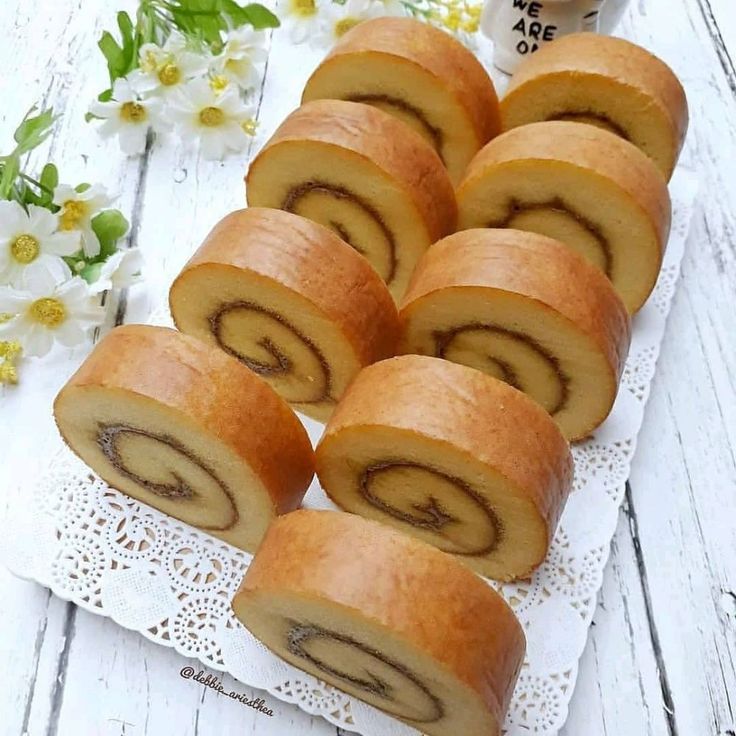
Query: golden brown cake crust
[215, 391]
[409, 587]
[438, 53]
[614, 58]
[588, 147]
[482, 418]
[312, 261]
[383, 140]
[533, 265]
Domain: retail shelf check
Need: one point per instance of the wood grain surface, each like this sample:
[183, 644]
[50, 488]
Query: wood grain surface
[661, 656]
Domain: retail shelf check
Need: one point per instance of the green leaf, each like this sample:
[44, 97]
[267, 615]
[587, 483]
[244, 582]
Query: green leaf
[109, 226]
[201, 19]
[254, 14]
[50, 177]
[121, 57]
[10, 170]
[91, 272]
[33, 131]
[83, 187]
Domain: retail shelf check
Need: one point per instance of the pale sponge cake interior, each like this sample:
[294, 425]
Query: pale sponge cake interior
[581, 185]
[187, 430]
[291, 301]
[393, 622]
[420, 75]
[451, 456]
[527, 310]
[363, 174]
[607, 82]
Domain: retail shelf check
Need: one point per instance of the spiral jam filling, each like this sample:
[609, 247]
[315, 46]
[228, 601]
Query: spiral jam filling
[335, 207]
[558, 215]
[110, 437]
[366, 669]
[421, 496]
[406, 110]
[600, 120]
[510, 356]
[273, 347]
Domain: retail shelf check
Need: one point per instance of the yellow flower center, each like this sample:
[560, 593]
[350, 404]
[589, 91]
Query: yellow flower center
[303, 8]
[250, 126]
[211, 117]
[344, 25]
[9, 349]
[219, 83]
[8, 373]
[73, 212]
[25, 248]
[48, 311]
[149, 62]
[133, 112]
[169, 74]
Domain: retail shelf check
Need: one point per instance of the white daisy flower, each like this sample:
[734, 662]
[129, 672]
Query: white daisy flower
[391, 7]
[219, 121]
[121, 269]
[29, 241]
[128, 116]
[47, 312]
[338, 19]
[163, 70]
[77, 211]
[299, 18]
[242, 57]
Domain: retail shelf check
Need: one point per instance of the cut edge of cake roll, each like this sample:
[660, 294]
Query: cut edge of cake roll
[603, 81]
[421, 75]
[452, 456]
[364, 174]
[385, 618]
[581, 185]
[188, 430]
[291, 301]
[528, 310]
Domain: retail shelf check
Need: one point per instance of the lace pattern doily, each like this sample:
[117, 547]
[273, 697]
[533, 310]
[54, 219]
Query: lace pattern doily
[112, 556]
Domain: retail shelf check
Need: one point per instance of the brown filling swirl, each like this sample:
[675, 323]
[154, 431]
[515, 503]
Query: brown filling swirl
[301, 635]
[297, 193]
[108, 437]
[592, 117]
[279, 364]
[517, 208]
[433, 132]
[431, 515]
[444, 342]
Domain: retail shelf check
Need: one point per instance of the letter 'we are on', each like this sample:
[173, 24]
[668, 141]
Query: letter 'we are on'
[530, 28]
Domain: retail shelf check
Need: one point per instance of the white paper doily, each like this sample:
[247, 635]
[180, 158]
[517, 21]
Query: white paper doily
[112, 556]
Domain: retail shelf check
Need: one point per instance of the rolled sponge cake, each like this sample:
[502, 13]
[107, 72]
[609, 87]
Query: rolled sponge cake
[607, 82]
[452, 456]
[188, 430]
[525, 309]
[421, 75]
[579, 184]
[290, 300]
[385, 618]
[364, 174]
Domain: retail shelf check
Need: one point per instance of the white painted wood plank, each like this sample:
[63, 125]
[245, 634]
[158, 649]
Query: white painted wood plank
[618, 690]
[684, 474]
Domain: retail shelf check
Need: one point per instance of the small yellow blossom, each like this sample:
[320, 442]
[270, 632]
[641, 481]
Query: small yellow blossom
[10, 351]
[250, 126]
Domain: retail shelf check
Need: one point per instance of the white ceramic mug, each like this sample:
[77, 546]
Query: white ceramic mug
[519, 27]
